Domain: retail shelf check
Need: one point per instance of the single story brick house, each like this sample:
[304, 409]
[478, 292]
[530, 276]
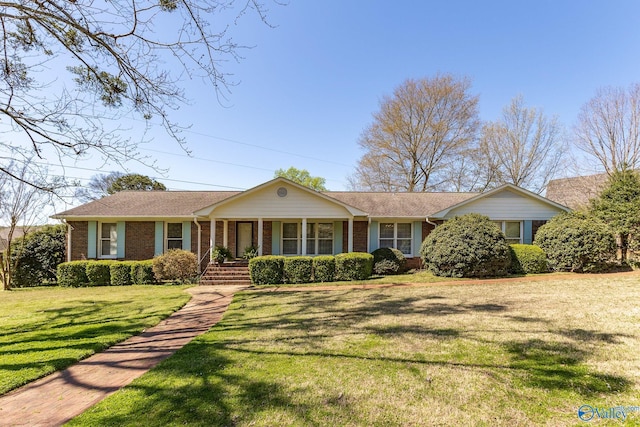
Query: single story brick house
[280, 217]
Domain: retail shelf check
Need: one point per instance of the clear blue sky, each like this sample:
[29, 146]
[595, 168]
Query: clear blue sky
[309, 86]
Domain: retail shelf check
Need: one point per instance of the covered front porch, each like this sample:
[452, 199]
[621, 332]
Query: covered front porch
[286, 236]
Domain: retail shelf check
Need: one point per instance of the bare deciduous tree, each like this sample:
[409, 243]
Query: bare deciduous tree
[608, 128]
[417, 132]
[123, 58]
[523, 148]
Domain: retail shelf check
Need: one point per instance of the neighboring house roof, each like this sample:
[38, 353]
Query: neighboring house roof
[577, 191]
[18, 232]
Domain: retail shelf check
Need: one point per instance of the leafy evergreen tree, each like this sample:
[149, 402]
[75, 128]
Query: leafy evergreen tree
[619, 206]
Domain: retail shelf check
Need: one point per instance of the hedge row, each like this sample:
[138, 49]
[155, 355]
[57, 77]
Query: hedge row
[272, 269]
[105, 273]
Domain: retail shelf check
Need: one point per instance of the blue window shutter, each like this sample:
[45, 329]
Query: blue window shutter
[373, 236]
[159, 239]
[92, 239]
[527, 238]
[120, 235]
[275, 238]
[337, 237]
[417, 238]
[186, 236]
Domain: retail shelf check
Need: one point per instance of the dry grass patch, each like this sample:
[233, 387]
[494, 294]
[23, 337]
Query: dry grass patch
[494, 354]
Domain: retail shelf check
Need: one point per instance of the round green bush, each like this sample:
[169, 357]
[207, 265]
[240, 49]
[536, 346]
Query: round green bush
[38, 255]
[466, 246]
[267, 270]
[324, 268]
[354, 266]
[577, 242]
[176, 265]
[527, 259]
[388, 261]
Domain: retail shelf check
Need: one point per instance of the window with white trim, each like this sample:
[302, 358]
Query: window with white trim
[108, 241]
[319, 238]
[290, 238]
[512, 230]
[397, 235]
[174, 235]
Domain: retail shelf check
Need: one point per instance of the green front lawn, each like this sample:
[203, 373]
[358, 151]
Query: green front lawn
[484, 354]
[43, 330]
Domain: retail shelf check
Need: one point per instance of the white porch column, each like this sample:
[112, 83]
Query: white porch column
[303, 232]
[225, 233]
[212, 237]
[260, 237]
[350, 236]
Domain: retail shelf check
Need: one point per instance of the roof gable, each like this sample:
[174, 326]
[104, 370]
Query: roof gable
[505, 202]
[280, 198]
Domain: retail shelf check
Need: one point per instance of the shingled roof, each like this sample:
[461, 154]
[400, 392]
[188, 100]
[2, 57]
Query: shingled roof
[576, 192]
[400, 205]
[148, 204]
[185, 203]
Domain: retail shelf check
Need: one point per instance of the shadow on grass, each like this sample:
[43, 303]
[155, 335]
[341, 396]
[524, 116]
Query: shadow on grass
[558, 366]
[546, 364]
[204, 383]
[66, 335]
[208, 394]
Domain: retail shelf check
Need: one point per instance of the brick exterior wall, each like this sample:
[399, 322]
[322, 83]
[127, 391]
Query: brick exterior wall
[139, 241]
[360, 236]
[79, 239]
[267, 237]
[140, 238]
[204, 244]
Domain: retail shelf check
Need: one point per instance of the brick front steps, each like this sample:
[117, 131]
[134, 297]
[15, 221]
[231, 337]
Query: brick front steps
[229, 273]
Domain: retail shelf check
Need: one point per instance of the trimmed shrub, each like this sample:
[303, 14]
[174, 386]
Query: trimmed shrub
[354, 266]
[298, 269]
[121, 273]
[99, 273]
[176, 265]
[72, 274]
[267, 270]
[527, 259]
[324, 268]
[577, 242]
[388, 261]
[466, 246]
[142, 273]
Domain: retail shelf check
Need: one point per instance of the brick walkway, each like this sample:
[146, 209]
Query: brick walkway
[55, 399]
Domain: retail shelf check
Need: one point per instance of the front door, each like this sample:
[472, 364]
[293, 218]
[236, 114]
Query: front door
[244, 237]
